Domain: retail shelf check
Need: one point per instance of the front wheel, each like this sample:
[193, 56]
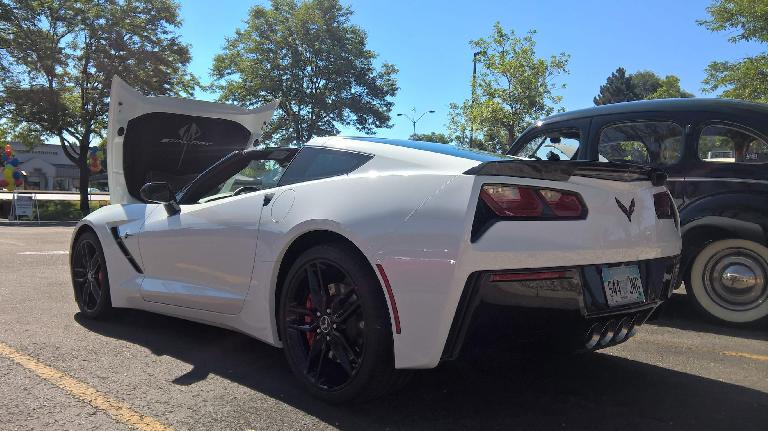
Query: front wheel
[729, 280]
[89, 276]
[335, 326]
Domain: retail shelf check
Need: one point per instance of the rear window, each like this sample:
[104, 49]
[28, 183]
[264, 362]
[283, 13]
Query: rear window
[647, 142]
[313, 163]
[724, 144]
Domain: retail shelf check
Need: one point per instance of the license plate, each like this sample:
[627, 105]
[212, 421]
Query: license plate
[622, 285]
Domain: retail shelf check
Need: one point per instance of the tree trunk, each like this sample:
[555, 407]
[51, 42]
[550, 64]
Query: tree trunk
[510, 139]
[84, 174]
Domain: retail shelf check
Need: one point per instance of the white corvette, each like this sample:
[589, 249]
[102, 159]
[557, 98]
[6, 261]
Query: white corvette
[362, 257]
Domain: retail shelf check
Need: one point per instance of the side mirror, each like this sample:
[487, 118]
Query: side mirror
[161, 193]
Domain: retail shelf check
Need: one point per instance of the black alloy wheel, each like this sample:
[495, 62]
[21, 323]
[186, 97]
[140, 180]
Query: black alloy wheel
[325, 316]
[335, 325]
[89, 276]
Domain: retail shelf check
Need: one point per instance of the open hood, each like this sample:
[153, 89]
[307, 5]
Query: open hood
[171, 139]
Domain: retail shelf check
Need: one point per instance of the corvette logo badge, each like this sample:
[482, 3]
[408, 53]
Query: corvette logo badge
[188, 135]
[627, 211]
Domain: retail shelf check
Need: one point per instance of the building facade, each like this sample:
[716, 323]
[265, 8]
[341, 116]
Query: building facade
[46, 167]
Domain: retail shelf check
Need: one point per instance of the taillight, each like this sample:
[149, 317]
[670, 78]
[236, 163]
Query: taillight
[665, 208]
[563, 204]
[511, 201]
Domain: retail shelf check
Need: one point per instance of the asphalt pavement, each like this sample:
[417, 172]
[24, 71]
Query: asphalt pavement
[59, 370]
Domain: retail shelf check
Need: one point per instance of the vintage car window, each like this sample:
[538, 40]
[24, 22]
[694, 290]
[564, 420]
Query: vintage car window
[647, 142]
[313, 163]
[551, 145]
[724, 144]
[257, 175]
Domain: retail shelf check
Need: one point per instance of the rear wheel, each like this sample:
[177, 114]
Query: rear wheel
[89, 276]
[729, 280]
[335, 326]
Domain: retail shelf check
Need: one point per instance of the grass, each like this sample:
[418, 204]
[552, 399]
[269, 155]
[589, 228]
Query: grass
[62, 210]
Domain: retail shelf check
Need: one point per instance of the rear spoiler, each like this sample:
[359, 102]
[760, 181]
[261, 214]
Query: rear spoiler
[563, 170]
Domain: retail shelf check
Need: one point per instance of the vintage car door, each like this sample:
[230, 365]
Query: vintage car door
[652, 138]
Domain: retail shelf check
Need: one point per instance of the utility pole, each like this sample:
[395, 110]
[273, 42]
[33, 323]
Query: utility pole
[415, 119]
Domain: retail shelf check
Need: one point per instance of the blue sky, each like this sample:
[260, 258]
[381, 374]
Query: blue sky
[428, 42]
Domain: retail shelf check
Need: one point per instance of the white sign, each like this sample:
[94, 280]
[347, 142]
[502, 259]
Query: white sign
[24, 205]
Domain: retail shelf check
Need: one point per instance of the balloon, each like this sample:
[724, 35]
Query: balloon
[19, 181]
[95, 167]
[16, 175]
[14, 162]
[3, 182]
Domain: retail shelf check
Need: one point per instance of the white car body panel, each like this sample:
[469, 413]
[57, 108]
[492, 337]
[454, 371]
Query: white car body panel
[409, 210]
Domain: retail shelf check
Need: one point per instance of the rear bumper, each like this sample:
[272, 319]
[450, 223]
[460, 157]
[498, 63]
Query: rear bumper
[575, 304]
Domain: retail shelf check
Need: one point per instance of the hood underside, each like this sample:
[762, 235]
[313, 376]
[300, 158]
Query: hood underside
[172, 139]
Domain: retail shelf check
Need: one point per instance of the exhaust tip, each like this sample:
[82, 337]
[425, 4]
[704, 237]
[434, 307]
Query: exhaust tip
[622, 329]
[593, 336]
[608, 331]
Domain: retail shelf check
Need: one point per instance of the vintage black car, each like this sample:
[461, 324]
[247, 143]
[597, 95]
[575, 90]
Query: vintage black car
[715, 152]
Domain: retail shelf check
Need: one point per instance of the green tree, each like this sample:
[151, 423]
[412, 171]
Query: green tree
[514, 87]
[669, 88]
[641, 85]
[431, 137]
[310, 56]
[63, 56]
[745, 21]
[617, 88]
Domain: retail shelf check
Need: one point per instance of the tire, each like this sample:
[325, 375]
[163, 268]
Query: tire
[741, 297]
[345, 355]
[90, 280]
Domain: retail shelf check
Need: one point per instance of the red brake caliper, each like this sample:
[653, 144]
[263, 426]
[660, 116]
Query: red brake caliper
[307, 319]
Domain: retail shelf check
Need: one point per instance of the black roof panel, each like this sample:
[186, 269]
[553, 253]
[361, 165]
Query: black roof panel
[661, 105]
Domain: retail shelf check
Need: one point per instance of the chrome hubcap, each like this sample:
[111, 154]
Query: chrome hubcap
[738, 276]
[735, 279]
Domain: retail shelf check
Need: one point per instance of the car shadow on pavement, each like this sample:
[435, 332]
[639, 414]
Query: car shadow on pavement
[678, 312]
[490, 386]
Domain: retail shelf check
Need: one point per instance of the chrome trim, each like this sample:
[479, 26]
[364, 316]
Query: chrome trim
[731, 180]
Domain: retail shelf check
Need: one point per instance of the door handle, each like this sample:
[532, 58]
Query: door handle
[268, 198]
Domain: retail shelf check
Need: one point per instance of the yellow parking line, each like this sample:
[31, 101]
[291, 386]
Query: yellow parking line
[747, 355]
[119, 410]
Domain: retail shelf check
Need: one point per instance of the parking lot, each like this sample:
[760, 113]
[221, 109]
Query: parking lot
[60, 371]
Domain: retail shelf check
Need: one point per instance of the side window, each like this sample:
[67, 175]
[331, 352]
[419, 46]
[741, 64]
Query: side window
[256, 175]
[313, 163]
[642, 142]
[726, 144]
[552, 145]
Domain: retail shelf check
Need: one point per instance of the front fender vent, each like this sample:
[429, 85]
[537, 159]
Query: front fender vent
[124, 250]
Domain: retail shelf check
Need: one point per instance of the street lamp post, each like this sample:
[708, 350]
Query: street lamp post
[472, 103]
[415, 119]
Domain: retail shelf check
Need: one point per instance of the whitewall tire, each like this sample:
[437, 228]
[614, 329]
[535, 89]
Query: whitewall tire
[729, 280]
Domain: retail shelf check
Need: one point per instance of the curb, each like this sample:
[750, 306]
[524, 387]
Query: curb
[26, 223]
